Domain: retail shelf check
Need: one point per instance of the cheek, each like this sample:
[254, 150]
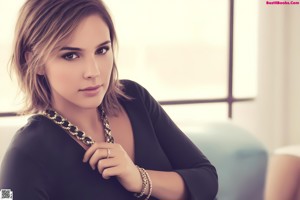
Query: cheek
[109, 71]
[58, 76]
[109, 60]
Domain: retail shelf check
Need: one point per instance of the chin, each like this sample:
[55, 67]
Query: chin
[88, 107]
[90, 103]
[93, 104]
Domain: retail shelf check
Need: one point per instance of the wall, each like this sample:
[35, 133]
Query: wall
[274, 116]
[293, 71]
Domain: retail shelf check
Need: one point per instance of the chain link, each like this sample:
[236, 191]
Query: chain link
[75, 132]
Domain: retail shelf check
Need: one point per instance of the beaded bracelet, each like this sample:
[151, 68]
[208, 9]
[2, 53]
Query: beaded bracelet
[145, 182]
[150, 185]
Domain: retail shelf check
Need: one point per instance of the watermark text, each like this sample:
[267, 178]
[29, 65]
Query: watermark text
[282, 2]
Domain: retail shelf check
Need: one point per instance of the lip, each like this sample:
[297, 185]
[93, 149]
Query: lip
[91, 88]
[91, 91]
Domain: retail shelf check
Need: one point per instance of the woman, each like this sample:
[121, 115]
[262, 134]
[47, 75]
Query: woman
[92, 136]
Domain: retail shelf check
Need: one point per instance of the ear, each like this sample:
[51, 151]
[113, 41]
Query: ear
[41, 70]
[28, 58]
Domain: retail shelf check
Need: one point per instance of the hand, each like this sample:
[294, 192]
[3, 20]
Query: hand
[112, 160]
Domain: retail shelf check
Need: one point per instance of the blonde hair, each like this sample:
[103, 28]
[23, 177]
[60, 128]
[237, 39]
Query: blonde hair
[41, 26]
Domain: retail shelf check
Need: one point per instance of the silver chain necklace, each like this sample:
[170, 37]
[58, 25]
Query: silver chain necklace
[75, 132]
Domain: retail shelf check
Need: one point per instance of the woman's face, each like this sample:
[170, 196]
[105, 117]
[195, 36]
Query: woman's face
[79, 73]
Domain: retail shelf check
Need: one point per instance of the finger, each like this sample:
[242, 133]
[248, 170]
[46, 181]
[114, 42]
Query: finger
[94, 147]
[106, 163]
[111, 171]
[97, 155]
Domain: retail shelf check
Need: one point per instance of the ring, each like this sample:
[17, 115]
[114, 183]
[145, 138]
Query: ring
[108, 153]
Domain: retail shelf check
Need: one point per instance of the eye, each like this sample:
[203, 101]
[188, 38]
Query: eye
[102, 50]
[70, 56]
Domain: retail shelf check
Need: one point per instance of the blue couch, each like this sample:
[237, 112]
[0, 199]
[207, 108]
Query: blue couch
[240, 159]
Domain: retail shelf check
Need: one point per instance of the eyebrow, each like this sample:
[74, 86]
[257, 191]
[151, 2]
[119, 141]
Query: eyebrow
[79, 49]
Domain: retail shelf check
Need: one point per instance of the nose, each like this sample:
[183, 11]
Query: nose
[92, 68]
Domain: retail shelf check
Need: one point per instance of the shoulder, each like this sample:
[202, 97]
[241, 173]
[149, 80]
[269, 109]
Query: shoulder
[35, 126]
[130, 85]
[34, 135]
[29, 156]
[134, 89]
[39, 143]
[140, 97]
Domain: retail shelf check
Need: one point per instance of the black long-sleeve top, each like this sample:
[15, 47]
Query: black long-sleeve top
[45, 163]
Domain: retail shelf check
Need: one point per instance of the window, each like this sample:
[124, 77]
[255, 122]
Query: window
[182, 51]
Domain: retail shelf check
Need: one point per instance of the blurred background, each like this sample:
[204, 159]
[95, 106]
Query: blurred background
[222, 60]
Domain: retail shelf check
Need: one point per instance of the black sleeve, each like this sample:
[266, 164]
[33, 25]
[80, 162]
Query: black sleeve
[23, 175]
[198, 173]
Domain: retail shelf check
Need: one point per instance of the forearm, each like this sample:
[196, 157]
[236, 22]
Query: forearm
[167, 185]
